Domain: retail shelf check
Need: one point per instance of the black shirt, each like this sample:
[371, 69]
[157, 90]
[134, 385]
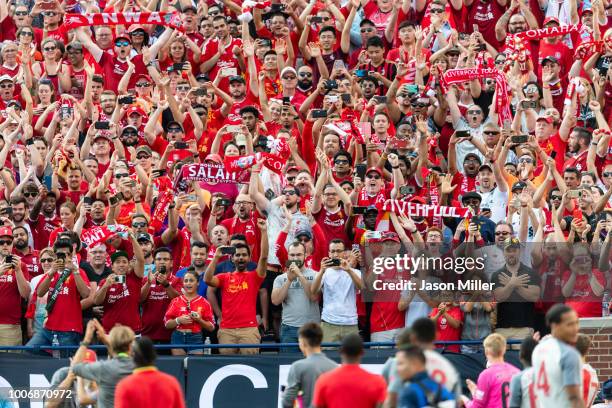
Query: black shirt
[515, 311]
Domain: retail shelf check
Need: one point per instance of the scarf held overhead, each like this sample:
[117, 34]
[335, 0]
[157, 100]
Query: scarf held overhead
[502, 102]
[547, 32]
[171, 20]
[424, 210]
[208, 173]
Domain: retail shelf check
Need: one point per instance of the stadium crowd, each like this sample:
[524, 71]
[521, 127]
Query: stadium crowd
[225, 172]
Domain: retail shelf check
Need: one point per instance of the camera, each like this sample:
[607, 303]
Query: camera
[119, 279]
[180, 145]
[331, 84]
[102, 125]
[405, 190]
[126, 100]
[520, 139]
[334, 262]
[228, 250]
[319, 113]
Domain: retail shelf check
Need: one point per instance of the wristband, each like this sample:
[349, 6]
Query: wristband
[395, 167]
[177, 322]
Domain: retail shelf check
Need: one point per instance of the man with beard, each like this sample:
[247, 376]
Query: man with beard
[493, 190]
[108, 102]
[199, 259]
[516, 289]
[218, 53]
[130, 136]
[304, 84]
[289, 82]
[517, 19]
[240, 290]
[146, 244]
[74, 78]
[77, 188]
[241, 97]
[292, 291]
[369, 87]
[480, 227]
[578, 146]
[20, 210]
[43, 218]
[244, 223]
[331, 205]
[22, 249]
[115, 66]
[158, 289]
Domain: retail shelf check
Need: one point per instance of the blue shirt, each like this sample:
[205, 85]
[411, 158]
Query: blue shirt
[202, 286]
[413, 395]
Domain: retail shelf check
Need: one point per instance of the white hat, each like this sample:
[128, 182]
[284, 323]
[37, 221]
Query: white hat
[288, 69]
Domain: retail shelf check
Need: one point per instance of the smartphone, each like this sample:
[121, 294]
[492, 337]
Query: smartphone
[319, 113]
[346, 98]
[225, 202]
[462, 134]
[87, 200]
[180, 145]
[577, 214]
[520, 139]
[60, 255]
[360, 170]
[8, 211]
[178, 66]
[270, 195]
[114, 200]
[227, 72]
[334, 262]
[331, 84]
[66, 111]
[528, 104]
[102, 125]
[405, 190]
[158, 173]
[553, 154]
[126, 100]
[338, 64]
[275, 8]
[286, 101]
[373, 234]
[162, 270]
[119, 279]
[381, 99]
[228, 250]
[475, 28]
[574, 194]
[361, 73]
[399, 143]
[412, 89]
[316, 20]
[359, 210]
[233, 128]
[8, 259]
[356, 247]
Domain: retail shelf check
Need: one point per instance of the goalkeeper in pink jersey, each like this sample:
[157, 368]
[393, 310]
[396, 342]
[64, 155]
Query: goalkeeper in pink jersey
[493, 387]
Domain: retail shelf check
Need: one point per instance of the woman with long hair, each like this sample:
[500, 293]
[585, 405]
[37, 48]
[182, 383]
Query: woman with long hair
[51, 64]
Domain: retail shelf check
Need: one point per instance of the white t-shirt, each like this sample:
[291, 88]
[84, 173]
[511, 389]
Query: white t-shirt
[496, 201]
[276, 223]
[464, 148]
[339, 297]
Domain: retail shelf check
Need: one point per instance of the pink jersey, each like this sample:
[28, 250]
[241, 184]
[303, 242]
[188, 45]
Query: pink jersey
[493, 387]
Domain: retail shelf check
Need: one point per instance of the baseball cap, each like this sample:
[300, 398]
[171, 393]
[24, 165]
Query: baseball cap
[143, 236]
[103, 135]
[546, 118]
[519, 185]
[453, 50]
[550, 58]
[303, 232]
[124, 37]
[144, 149]
[374, 169]
[90, 356]
[551, 20]
[6, 232]
[189, 7]
[469, 195]
[135, 109]
[143, 76]
[485, 166]
[288, 69]
[236, 78]
[130, 127]
[118, 254]
[6, 77]
[474, 155]
[135, 27]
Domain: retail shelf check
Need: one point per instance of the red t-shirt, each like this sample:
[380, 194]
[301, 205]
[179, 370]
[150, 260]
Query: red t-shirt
[10, 299]
[249, 229]
[41, 230]
[30, 261]
[233, 117]
[385, 314]
[349, 386]
[155, 306]
[66, 314]
[150, 388]
[485, 14]
[114, 69]
[227, 59]
[239, 291]
[582, 298]
[122, 303]
[181, 306]
[333, 224]
[445, 332]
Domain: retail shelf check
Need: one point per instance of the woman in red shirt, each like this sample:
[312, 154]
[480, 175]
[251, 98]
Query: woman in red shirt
[448, 318]
[188, 314]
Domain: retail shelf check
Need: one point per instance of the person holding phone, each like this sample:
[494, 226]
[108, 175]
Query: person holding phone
[119, 293]
[65, 285]
[339, 283]
[189, 315]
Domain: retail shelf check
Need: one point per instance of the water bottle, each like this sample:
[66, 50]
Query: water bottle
[55, 342]
[207, 343]
[605, 304]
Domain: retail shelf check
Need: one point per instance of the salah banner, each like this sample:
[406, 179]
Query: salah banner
[208, 173]
[172, 20]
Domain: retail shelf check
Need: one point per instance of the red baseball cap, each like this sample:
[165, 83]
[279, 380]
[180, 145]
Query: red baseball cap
[375, 169]
[90, 356]
[551, 20]
[547, 119]
[143, 76]
[390, 236]
[6, 232]
[136, 109]
[417, 199]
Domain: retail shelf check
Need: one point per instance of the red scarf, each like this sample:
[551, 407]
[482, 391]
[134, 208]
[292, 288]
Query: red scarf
[98, 235]
[161, 209]
[424, 210]
[589, 48]
[172, 20]
[209, 173]
[502, 102]
[547, 32]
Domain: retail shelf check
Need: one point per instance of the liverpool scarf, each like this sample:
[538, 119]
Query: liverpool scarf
[547, 32]
[502, 101]
[171, 20]
[424, 210]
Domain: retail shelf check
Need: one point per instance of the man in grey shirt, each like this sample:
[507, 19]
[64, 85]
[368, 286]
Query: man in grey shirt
[108, 373]
[303, 374]
[292, 290]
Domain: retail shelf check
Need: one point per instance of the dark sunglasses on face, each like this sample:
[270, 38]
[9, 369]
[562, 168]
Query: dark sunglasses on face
[5, 242]
[289, 192]
[30, 194]
[436, 11]
[121, 175]
[139, 224]
[143, 84]
[174, 130]
[474, 112]
[142, 156]
[373, 176]
[525, 160]
[607, 173]
[138, 34]
[490, 132]
[6, 86]
[419, 105]
[305, 74]
[183, 88]
[122, 43]
[49, 13]
[29, 33]
[49, 48]
[366, 30]
[500, 233]
[46, 260]
[341, 161]
[128, 134]
[291, 179]
[21, 13]
[555, 197]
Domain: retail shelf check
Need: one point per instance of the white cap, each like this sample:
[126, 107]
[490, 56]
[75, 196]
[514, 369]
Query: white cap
[288, 69]
[6, 77]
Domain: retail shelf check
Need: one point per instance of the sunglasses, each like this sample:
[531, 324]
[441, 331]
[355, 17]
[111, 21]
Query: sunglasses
[122, 43]
[341, 161]
[474, 112]
[183, 88]
[607, 173]
[500, 61]
[21, 13]
[500, 233]
[30, 194]
[175, 130]
[143, 84]
[556, 197]
[121, 175]
[129, 133]
[49, 13]
[291, 179]
[138, 34]
[436, 11]
[373, 176]
[490, 132]
[139, 224]
[142, 156]
[526, 160]
[289, 192]
[419, 105]
[305, 74]
[31, 34]
[366, 30]
[46, 260]
[290, 77]
[49, 49]
[4, 242]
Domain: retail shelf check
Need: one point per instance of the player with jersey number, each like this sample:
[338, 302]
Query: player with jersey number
[493, 387]
[521, 385]
[557, 364]
[590, 382]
